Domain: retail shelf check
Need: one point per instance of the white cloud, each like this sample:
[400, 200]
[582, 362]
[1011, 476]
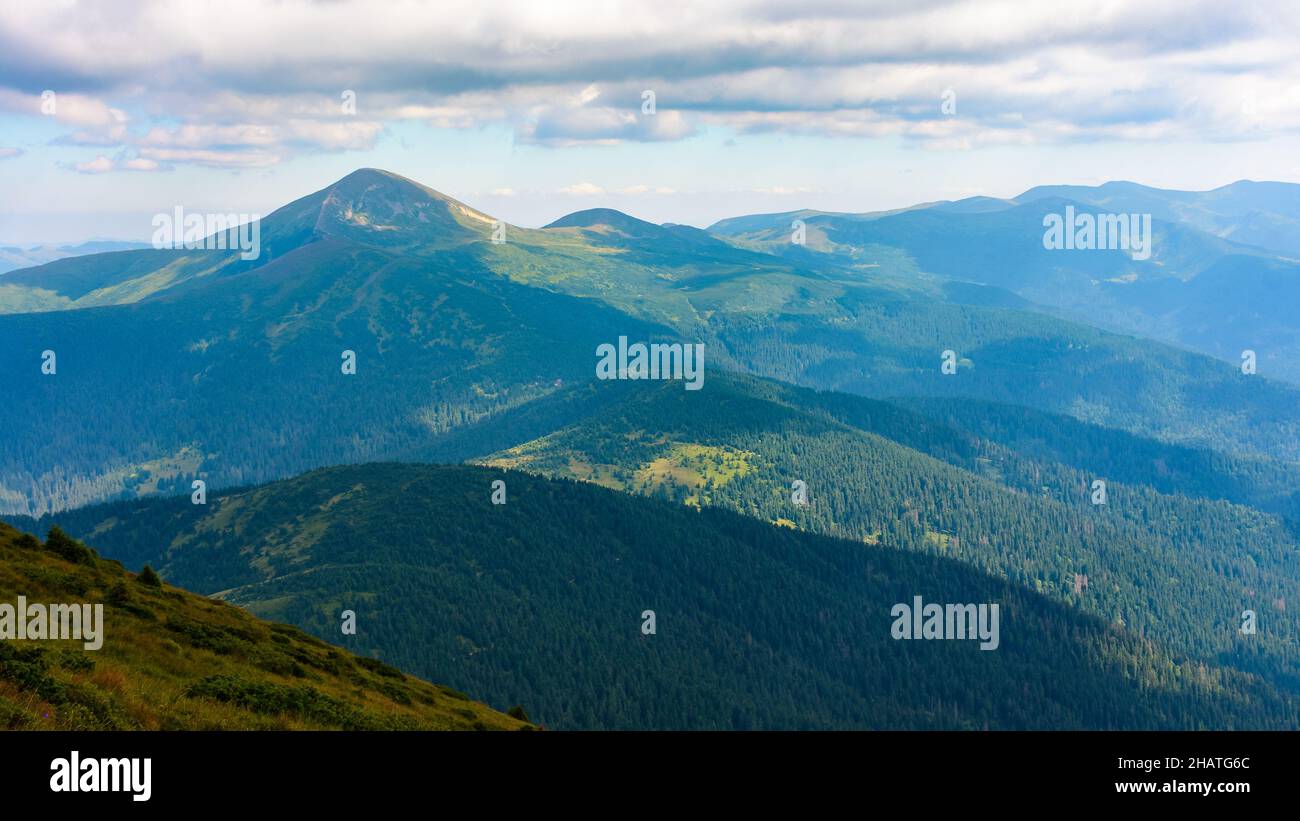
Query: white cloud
[99, 165]
[583, 189]
[103, 165]
[572, 74]
[65, 108]
[212, 158]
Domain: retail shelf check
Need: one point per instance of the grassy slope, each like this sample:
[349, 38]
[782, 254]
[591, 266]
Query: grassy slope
[174, 660]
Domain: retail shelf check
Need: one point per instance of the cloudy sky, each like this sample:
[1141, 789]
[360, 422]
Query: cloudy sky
[113, 111]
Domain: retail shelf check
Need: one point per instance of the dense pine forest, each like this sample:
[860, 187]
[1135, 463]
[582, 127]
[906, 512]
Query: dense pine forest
[877, 473]
[540, 601]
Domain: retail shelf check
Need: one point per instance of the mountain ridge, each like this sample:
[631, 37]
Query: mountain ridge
[448, 336]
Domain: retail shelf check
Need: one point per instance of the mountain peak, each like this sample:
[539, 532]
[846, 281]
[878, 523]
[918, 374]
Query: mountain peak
[380, 178]
[608, 218]
[395, 188]
[375, 207]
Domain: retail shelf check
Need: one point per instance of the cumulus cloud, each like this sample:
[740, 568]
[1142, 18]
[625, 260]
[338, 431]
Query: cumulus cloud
[67, 108]
[102, 165]
[99, 165]
[582, 189]
[163, 83]
[602, 125]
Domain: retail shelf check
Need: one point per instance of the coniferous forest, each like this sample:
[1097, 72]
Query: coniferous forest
[395, 442]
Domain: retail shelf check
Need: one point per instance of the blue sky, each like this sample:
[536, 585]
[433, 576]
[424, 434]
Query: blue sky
[529, 111]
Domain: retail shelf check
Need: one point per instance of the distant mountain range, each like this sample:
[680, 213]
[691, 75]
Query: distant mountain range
[13, 257]
[950, 391]
[1223, 275]
[1261, 214]
[450, 327]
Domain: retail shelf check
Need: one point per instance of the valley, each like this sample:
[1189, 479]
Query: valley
[497, 455]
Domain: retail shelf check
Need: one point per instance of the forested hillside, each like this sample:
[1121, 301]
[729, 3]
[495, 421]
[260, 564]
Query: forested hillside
[880, 474]
[541, 600]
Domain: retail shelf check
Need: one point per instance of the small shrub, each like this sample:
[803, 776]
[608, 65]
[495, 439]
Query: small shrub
[396, 693]
[517, 711]
[273, 661]
[149, 577]
[68, 548]
[204, 636]
[377, 666]
[119, 594]
[26, 667]
[78, 661]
